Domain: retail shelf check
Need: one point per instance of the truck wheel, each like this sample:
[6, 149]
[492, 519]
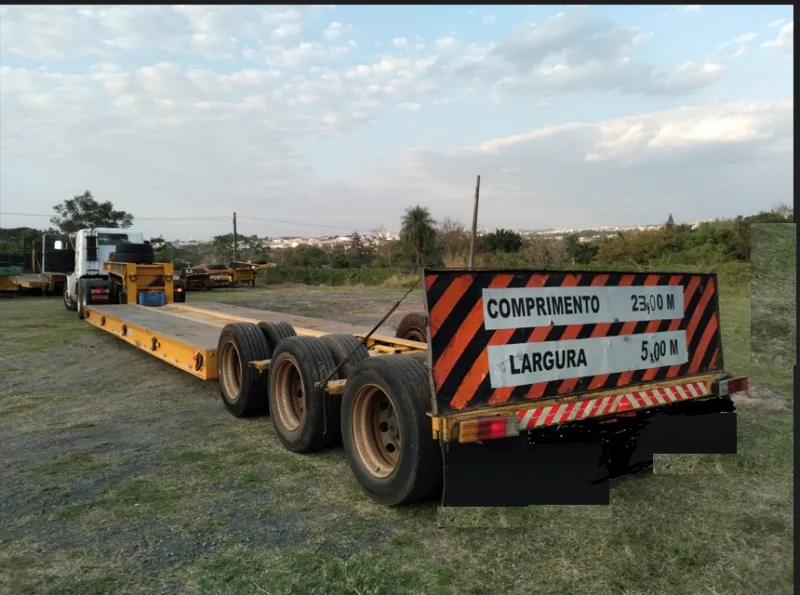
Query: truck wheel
[412, 327]
[275, 332]
[83, 297]
[179, 297]
[387, 433]
[68, 303]
[305, 417]
[243, 388]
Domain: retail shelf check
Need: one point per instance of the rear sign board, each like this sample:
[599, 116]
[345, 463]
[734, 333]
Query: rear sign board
[499, 337]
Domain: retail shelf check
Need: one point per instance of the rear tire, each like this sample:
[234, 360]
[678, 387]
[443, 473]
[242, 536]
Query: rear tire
[412, 327]
[275, 332]
[340, 347]
[68, 303]
[133, 248]
[132, 257]
[396, 460]
[305, 417]
[242, 387]
[83, 298]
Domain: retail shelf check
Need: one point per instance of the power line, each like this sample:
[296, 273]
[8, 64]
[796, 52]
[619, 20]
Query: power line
[217, 218]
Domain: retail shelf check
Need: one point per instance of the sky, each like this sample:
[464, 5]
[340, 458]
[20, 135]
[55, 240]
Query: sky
[328, 119]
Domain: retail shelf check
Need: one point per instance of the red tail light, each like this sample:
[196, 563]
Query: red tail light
[490, 428]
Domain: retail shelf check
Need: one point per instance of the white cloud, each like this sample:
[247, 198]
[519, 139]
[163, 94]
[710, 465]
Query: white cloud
[285, 30]
[745, 37]
[701, 161]
[488, 20]
[176, 133]
[334, 31]
[784, 42]
[572, 51]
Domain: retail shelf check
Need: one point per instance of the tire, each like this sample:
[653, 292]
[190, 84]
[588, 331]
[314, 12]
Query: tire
[243, 389]
[179, 297]
[132, 257]
[275, 332]
[132, 248]
[341, 346]
[68, 303]
[83, 298]
[122, 297]
[412, 327]
[298, 363]
[415, 472]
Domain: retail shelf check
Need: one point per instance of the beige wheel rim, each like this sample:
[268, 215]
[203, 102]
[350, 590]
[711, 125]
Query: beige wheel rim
[231, 371]
[290, 395]
[376, 431]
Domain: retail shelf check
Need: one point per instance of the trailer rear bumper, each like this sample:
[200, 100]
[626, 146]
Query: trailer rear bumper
[480, 426]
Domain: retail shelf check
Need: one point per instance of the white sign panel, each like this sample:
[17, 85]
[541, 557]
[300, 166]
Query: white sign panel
[528, 307]
[529, 363]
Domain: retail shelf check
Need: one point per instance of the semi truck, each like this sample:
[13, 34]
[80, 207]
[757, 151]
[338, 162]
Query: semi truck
[512, 388]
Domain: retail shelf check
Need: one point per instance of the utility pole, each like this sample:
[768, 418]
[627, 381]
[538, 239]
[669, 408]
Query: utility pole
[235, 239]
[474, 224]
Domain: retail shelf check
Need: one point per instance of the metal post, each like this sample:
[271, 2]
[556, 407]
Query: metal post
[474, 224]
[235, 239]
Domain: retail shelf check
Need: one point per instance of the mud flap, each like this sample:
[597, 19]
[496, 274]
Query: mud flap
[700, 427]
[513, 472]
[574, 467]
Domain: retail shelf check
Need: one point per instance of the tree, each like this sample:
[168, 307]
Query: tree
[572, 241]
[418, 230]
[82, 211]
[382, 244]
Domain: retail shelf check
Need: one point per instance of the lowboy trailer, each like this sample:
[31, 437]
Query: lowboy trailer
[529, 387]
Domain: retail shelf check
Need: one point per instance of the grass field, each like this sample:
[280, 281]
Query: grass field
[123, 475]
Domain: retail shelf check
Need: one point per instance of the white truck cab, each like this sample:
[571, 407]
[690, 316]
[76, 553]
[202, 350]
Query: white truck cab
[93, 247]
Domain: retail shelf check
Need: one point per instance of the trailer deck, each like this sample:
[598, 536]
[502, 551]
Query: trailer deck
[187, 336]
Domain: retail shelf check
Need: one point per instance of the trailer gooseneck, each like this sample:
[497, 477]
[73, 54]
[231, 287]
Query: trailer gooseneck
[528, 387]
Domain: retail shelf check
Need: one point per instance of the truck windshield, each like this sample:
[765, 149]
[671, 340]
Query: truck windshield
[111, 239]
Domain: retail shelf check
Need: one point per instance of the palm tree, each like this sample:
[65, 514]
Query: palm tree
[418, 229]
[572, 242]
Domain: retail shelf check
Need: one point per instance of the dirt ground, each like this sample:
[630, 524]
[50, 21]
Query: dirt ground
[124, 475]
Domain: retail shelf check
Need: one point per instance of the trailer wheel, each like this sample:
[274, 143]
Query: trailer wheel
[275, 332]
[305, 417]
[412, 327]
[387, 433]
[68, 303]
[340, 347]
[243, 388]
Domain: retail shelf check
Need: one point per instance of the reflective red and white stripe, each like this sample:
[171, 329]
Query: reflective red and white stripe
[578, 410]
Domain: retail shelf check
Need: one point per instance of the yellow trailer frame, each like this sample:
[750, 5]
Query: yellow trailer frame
[157, 277]
[183, 348]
